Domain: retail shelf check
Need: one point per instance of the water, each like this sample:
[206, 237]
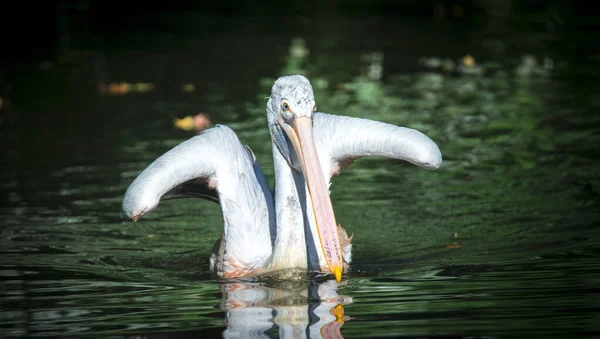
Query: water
[501, 241]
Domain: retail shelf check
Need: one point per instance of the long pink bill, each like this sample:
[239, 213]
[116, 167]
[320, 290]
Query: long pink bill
[301, 136]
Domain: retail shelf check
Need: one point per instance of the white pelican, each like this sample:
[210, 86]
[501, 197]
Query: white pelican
[293, 227]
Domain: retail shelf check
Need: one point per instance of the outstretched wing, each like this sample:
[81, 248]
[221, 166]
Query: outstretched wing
[214, 164]
[341, 140]
[190, 169]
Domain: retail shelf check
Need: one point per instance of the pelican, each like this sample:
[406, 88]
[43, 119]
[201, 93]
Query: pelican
[294, 226]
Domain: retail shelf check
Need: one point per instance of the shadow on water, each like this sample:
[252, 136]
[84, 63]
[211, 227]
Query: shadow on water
[502, 241]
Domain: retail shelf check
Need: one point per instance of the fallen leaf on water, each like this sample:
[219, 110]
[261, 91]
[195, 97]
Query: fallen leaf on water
[122, 88]
[468, 61]
[198, 122]
[188, 88]
[186, 123]
[143, 87]
[452, 246]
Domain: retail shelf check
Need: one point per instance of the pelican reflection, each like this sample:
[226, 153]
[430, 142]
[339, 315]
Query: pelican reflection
[289, 309]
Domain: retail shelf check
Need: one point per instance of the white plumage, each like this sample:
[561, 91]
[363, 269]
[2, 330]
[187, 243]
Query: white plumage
[261, 231]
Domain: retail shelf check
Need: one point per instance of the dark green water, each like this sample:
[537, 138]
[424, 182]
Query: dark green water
[501, 241]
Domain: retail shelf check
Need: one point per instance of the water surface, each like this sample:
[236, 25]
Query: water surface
[501, 241]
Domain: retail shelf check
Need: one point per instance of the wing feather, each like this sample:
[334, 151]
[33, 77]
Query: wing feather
[341, 140]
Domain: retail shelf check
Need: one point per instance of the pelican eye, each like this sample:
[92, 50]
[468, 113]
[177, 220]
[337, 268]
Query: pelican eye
[285, 106]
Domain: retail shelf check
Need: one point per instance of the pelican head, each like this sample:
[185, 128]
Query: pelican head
[296, 92]
[290, 110]
[291, 97]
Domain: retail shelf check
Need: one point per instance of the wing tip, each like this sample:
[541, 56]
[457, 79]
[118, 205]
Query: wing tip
[136, 203]
[430, 158]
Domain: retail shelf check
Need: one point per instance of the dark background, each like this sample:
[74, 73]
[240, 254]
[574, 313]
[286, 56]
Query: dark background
[36, 31]
[62, 49]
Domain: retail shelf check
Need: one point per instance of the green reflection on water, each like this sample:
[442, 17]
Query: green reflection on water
[498, 241]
